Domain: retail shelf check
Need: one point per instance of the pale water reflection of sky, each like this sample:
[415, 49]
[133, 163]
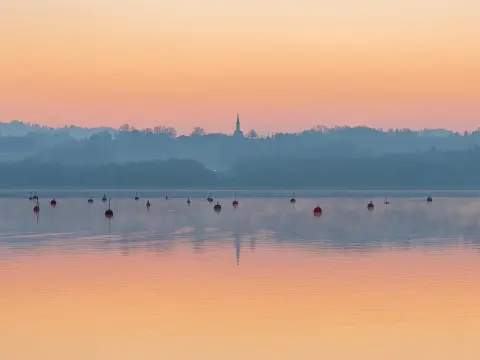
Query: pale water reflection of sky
[267, 280]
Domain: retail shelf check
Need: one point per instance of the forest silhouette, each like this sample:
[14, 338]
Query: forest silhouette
[33, 156]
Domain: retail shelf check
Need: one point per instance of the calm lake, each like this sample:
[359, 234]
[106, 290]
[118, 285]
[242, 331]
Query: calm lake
[267, 280]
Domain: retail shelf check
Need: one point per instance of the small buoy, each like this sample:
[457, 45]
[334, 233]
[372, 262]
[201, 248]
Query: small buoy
[108, 212]
[53, 203]
[136, 197]
[217, 207]
[36, 208]
[104, 198]
[370, 206]
[210, 199]
[30, 197]
[90, 201]
[317, 211]
[35, 197]
[235, 201]
[148, 204]
[292, 200]
[188, 201]
[386, 202]
[429, 199]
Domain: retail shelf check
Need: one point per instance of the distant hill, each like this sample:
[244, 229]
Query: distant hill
[150, 174]
[71, 145]
[430, 170]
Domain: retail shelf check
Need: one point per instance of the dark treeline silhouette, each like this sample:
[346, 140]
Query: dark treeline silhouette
[81, 146]
[148, 174]
[20, 128]
[430, 170]
[35, 156]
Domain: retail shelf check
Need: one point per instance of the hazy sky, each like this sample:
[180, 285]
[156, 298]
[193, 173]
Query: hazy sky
[284, 65]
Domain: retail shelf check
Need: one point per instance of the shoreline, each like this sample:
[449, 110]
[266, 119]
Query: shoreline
[228, 193]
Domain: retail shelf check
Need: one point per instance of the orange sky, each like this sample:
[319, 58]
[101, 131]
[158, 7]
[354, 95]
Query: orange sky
[284, 65]
[394, 305]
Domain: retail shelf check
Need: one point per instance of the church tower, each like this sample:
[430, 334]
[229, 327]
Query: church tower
[238, 132]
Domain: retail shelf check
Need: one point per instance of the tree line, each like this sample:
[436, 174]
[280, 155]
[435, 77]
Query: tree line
[101, 146]
[431, 170]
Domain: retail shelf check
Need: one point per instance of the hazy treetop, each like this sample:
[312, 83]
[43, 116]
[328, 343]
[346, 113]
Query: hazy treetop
[20, 128]
[79, 145]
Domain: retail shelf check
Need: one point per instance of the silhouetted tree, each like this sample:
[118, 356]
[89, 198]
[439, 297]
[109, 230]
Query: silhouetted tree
[198, 131]
[252, 134]
[124, 128]
[165, 130]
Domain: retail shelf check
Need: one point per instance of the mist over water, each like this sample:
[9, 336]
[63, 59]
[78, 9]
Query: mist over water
[345, 222]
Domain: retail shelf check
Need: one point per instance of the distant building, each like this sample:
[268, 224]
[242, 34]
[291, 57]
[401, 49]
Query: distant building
[238, 133]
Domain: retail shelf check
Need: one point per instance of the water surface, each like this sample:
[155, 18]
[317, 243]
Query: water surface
[265, 280]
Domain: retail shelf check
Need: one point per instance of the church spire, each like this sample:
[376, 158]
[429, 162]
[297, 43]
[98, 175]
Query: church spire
[238, 132]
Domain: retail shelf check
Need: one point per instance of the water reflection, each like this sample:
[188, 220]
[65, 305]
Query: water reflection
[267, 279]
[345, 225]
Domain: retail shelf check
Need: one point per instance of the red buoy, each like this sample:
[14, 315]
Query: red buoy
[36, 209]
[53, 203]
[235, 203]
[317, 211]
[109, 211]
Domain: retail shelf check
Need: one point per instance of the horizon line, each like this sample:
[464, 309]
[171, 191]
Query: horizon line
[268, 133]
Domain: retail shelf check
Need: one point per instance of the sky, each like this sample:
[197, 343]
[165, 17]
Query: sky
[283, 65]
